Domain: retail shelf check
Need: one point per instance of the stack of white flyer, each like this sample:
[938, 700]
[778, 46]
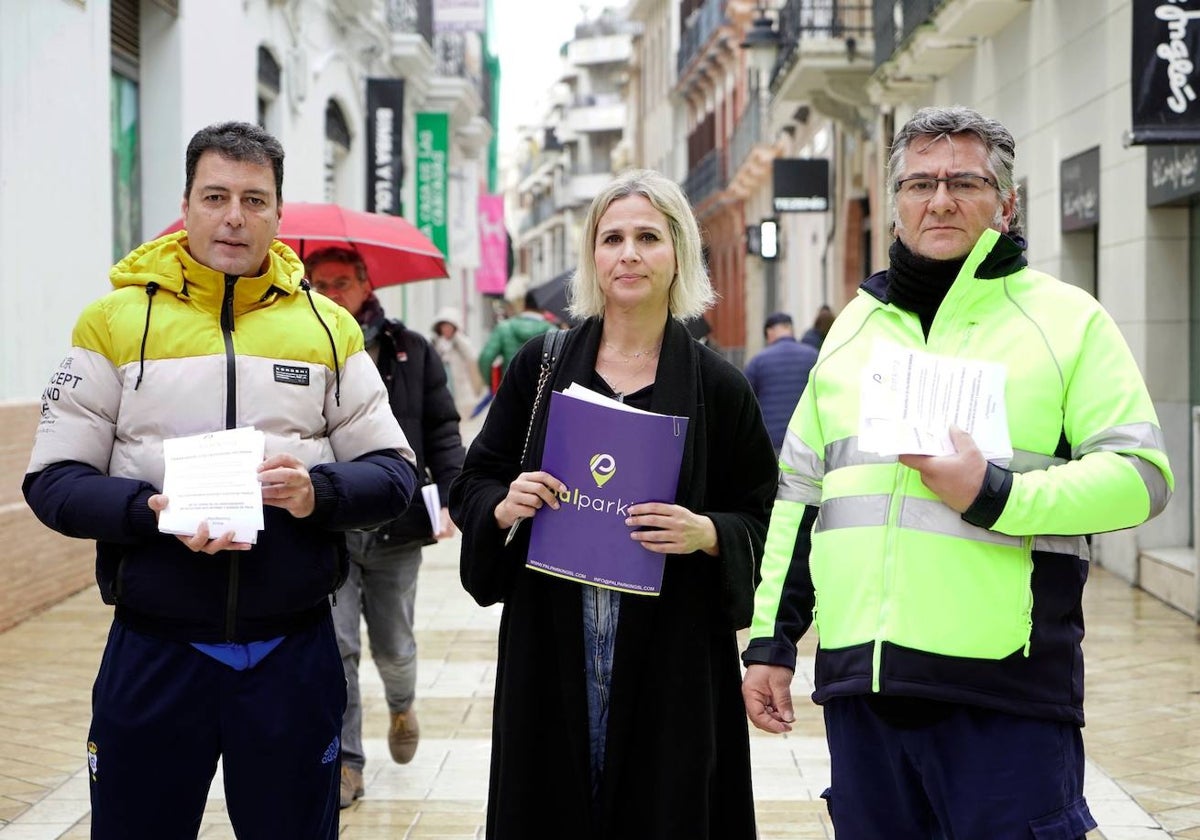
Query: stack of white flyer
[909, 400]
[213, 478]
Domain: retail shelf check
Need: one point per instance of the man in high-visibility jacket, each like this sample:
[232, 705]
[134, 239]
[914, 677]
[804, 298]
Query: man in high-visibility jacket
[947, 588]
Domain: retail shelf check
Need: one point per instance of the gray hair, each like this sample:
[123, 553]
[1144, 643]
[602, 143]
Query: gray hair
[691, 291]
[938, 123]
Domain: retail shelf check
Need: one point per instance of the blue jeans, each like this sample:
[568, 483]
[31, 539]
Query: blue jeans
[382, 588]
[601, 608]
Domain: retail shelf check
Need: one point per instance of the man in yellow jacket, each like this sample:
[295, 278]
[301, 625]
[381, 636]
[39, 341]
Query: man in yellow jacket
[947, 588]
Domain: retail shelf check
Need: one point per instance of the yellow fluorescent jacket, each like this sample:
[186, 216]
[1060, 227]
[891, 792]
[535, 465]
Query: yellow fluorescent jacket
[910, 598]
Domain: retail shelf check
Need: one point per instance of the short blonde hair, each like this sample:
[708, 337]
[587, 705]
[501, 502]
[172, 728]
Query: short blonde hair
[691, 291]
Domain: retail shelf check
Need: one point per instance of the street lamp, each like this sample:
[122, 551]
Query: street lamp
[761, 44]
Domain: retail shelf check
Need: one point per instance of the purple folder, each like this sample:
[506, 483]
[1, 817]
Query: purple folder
[609, 458]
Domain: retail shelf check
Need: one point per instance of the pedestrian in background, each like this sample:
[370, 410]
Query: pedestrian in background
[814, 336]
[508, 335]
[459, 357]
[382, 584]
[778, 374]
[949, 664]
[218, 649]
[587, 741]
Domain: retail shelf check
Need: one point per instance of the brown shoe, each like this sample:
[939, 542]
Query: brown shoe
[351, 787]
[403, 736]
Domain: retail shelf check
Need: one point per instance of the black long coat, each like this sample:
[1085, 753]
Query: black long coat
[678, 762]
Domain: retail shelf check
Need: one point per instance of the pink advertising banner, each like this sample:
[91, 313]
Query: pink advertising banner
[492, 274]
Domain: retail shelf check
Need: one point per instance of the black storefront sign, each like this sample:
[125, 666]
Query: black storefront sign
[1165, 78]
[801, 185]
[1172, 175]
[1079, 181]
[385, 148]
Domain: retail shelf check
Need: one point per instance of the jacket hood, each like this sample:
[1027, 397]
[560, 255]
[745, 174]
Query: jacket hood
[447, 315]
[164, 262]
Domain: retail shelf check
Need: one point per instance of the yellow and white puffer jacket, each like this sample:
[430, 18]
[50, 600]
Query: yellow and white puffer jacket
[909, 597]
[180, 349]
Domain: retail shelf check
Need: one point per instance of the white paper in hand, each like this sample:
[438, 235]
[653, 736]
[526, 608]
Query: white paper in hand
[909, 400]
[213, 478]
[433, 506]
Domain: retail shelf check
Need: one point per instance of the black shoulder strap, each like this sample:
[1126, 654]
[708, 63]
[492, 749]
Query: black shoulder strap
[552, 344]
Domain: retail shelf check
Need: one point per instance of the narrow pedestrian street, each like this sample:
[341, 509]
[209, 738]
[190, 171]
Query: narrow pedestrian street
[1143, 733]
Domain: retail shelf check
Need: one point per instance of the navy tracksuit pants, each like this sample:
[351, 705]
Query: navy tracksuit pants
[930, 771]
[163, 712]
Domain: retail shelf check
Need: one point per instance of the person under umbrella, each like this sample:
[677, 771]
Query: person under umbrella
[382, 582]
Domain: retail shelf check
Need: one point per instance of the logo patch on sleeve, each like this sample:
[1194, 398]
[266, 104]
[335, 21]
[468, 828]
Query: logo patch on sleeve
[291, 374]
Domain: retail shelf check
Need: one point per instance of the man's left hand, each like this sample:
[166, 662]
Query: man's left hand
[286, 484]
[957, 478]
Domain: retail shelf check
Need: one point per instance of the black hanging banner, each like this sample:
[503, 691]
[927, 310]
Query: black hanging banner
[1165, 80]
[801, 185]
[385, 150]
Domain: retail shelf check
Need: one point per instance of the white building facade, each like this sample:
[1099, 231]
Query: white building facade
[98, 100]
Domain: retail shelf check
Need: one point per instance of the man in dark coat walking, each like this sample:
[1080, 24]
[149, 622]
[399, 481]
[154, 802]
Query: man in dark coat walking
[779, 373]
[382, 584]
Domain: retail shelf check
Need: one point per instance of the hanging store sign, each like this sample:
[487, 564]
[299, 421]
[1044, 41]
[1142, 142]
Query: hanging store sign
[801, 185]
[492, 273]
[385, 145]
[433, 177]
[1079, 180]
[1172, 174]
[1166, 71]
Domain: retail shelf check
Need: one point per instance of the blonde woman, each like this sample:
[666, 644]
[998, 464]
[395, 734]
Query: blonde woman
[619, 715]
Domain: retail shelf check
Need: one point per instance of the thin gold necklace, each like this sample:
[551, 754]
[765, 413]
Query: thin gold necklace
[629, 358]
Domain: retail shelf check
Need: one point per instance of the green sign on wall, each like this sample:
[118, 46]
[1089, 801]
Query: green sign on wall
[433, 159]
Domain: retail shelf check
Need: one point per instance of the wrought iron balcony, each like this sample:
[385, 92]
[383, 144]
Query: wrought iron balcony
[920, 41]
[815, 24]
[895, 20]
[706, 177]
[697, 31]
[411, 16]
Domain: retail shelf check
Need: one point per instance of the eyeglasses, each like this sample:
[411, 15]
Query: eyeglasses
[961, 187]
[339, 285]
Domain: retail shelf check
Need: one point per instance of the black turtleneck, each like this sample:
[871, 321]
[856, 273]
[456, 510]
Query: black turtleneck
[919, 284]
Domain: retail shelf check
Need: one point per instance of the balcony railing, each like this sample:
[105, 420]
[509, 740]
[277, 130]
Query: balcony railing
[706, 177]
[697, 32]
[801, 20]
[541, 210]
[748, 132]
[415, 16]
[895, 20]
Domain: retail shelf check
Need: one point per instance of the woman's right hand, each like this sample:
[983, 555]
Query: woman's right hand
[526, 495]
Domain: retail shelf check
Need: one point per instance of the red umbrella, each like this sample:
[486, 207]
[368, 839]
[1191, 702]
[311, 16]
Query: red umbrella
[393, 249]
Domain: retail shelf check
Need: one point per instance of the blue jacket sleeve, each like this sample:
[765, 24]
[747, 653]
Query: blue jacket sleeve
[78, 500]
[364, 493]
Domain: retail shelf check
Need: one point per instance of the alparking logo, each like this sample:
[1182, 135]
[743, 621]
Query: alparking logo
[603, 467]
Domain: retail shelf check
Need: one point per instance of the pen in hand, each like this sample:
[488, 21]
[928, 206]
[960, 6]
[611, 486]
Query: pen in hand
[512, 530]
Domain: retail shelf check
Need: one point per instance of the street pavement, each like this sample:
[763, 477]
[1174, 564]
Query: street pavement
[1143, 737]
